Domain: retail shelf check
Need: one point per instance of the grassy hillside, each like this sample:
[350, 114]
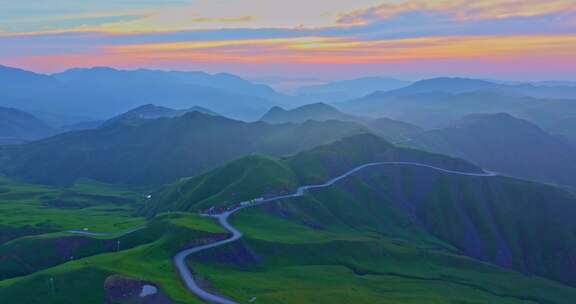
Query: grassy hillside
[29, 209]
[286, 260]
[149, 258]
[485, 218]
[394, 234]
[254, 176]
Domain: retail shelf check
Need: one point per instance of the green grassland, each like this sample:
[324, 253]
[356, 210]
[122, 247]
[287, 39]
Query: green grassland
[344, 264]
[381, 236]
[91, 205]
[82, 280]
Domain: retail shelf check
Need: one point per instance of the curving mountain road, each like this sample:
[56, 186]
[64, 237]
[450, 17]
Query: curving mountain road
[180, 258]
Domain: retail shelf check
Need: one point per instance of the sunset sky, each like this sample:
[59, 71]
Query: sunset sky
[508, 39]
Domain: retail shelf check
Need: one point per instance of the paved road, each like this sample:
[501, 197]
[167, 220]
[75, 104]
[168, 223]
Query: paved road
[180, 258]
[90, 233]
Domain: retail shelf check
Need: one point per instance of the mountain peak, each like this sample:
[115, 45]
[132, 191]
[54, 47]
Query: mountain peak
[151, 111]
[11, 77]
[316, 111]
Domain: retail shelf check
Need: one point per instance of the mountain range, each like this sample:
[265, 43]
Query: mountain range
[343, 90]
[388, 128]
[435, 102]
[156, 151]
[104, 92]
[501, 220]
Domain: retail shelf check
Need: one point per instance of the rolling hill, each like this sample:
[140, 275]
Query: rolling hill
[391, 234]
[423, 223]
[160, 150]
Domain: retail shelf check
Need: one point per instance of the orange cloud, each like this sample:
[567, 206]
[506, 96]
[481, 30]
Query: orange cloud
[460, 53]
[348, 50]
[463, 9]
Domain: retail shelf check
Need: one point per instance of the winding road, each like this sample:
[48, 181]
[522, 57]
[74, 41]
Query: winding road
[180, 258]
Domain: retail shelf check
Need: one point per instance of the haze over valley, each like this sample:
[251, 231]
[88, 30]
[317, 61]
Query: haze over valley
[175, 152]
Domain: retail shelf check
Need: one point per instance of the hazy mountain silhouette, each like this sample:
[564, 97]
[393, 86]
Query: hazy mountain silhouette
[149, 111]
[349, 89]
[430, 106]
[505, 144]
[161, 150]
[105, 92]
[388, 128]
[17, 126]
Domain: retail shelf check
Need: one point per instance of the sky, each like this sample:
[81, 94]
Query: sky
[326, 39]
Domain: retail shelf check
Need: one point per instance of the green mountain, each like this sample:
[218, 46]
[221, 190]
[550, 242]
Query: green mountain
[252, 176]
[390, 234]
[503, 143]
[425, 225]
[17, 126]
[160, 150]
[390, 129]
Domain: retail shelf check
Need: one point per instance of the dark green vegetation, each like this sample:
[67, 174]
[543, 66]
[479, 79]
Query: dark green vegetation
[29, 209]
[255, 176]
[505, 144]
[160, 150]
[392, 234]
[387, 235]
[17, 127]
[144, 255]
[389, 129]
[34, 249]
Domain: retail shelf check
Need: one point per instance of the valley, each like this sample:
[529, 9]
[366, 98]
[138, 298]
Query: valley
[157, 186]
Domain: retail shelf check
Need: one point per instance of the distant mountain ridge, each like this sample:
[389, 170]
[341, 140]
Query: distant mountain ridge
[388, 128]
[432, 106]
[454, 85]
[156, 151]
[317, 111]
[17, 126]
[13, 78]
[348, 89]
[150, 111]
[505, 144]
[104, 92]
